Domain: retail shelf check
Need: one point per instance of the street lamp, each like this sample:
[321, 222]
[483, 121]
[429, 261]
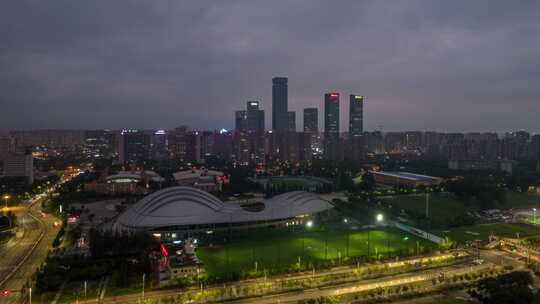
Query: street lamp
[380, 217]
[309, 224]
[6, 197]
[534, 215]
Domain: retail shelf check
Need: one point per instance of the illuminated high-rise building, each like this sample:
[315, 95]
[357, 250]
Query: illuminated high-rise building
[332, 148]
[241, 121]
[134, 146]
[311, 126]
[280, 103]
[255, 117]
[331, 114]
[356, 115]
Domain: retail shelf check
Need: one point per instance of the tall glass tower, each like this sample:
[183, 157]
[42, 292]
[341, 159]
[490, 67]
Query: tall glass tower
[280, 103]
[356, 115]
[331, 114]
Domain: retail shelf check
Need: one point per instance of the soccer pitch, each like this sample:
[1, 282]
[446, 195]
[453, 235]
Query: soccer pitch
[284, 249]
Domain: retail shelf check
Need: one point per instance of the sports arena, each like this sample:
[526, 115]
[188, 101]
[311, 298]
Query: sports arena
[184, 210]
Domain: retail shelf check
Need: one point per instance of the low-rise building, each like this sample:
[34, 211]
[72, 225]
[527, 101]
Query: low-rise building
[203, 179]
[406, 179]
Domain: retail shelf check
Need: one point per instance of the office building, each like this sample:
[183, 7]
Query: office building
[535, 147]
[241, 121]
[291, 121]
[290, 146]
[241, 138]
[356, 115]
[7, 145]
[311, 126]
[134, 146]
[185, 144]
[20, 165]
[332, 147]
[280, 103]
[311, 120]
[158, 145]
[98, 144]
[255, 117]
[331, 114]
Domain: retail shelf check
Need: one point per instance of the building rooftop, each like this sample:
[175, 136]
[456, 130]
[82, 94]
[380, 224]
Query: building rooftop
[184, 206]
[406, 175]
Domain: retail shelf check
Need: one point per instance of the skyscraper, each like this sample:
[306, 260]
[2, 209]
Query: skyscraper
[291, 121]
[331, 114]
[241, 121]
[356, 115]
[311, 126]
[311, 120]
[280, 103]
[255, 117]
[332, 149]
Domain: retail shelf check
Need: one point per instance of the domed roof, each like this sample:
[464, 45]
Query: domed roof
[178, 206]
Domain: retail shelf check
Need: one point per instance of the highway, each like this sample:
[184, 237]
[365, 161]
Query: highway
[20, 257]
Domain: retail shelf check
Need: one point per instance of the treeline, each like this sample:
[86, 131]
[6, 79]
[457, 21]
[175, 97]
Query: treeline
[485, 192]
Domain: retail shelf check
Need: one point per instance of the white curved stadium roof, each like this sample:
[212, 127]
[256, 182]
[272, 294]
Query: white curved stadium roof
[179, 206]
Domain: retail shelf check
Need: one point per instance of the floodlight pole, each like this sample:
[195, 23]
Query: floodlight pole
[369, 244]
[427, 204]
[348, 237]
[143, 279]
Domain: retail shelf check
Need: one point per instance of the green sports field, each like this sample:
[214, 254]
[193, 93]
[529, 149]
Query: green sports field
[482, 232]
[284, 249]
[534, 220]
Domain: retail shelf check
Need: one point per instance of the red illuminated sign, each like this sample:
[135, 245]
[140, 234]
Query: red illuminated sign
[334, 95]
[164, 250]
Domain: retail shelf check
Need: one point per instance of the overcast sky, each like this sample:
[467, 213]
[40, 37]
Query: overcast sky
[422, 65]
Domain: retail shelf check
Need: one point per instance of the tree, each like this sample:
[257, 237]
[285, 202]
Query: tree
[511, 288]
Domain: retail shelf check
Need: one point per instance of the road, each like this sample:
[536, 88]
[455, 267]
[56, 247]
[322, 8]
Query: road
[293, 297]
[22, 256]
[365, 285]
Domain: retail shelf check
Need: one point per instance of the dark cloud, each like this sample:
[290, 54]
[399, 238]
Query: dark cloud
[438, 65]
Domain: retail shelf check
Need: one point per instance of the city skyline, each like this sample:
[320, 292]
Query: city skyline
[421, 66]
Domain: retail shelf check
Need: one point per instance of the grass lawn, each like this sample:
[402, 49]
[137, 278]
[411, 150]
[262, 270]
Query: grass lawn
[482, 232]
[75, 290]
[441, 207]
[286, 248]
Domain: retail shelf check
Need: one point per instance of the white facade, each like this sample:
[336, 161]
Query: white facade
[186, 206]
